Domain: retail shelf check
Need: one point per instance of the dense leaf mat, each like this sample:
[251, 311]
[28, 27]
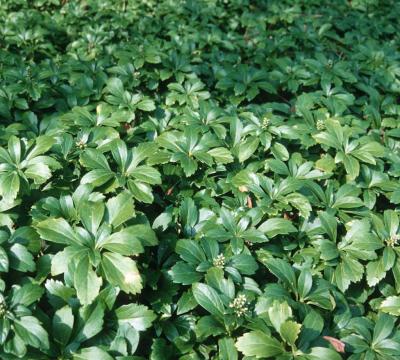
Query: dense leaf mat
[199, 179]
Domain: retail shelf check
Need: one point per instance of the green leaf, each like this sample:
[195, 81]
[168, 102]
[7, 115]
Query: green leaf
[97, 177]
[42, 144]
[247, 148]
[282, 270]
[329, 224]
[90, 321]
[4, 262]
[63, 322]
[189, 212]
[146, 174]
[57, 231]
[138, 316]
[122, 272]
[183, 273]
[120, 209]
[383, 327]
[91, 214]
[190, 251]
[15, 149]
[124, 242]
[280, 151]
[227, 350]
[39, 173]
[145, 234]
[348, 271]
[376, 271]
[369, 151]
[290, 331]
[94, 159]
[301, 203]
[9, 185]
[86, 282]
[31, 331]
[312, 327]
[90, 353]
[60, 261]
[209, 299]
[26, 294]
[304, 283]
[259, 345]
[318, 353]
[163, 220]
[244, 263]
[186, 302]
[20, 258]
[279, 313]
[221, 155]
[352, 166]
[57, 288]
[391, 305]
[141, 191]
[146, 105]
[277, 226]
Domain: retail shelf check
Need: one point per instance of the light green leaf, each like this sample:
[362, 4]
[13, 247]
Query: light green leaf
[290, 331]
[391, 305]
[259, 345]
[9, 185]
[39, 173]
[279, 313]
[375, 272]
[349, 270]
[42, 144]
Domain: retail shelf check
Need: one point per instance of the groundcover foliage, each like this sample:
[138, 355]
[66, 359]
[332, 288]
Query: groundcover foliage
[199, 179]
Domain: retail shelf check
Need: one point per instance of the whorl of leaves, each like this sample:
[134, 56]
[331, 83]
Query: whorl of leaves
[199, 179]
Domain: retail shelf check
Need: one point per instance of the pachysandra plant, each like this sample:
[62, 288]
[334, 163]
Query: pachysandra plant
[98, 249]
[199, 180]
[22, 162]
[130, 174]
